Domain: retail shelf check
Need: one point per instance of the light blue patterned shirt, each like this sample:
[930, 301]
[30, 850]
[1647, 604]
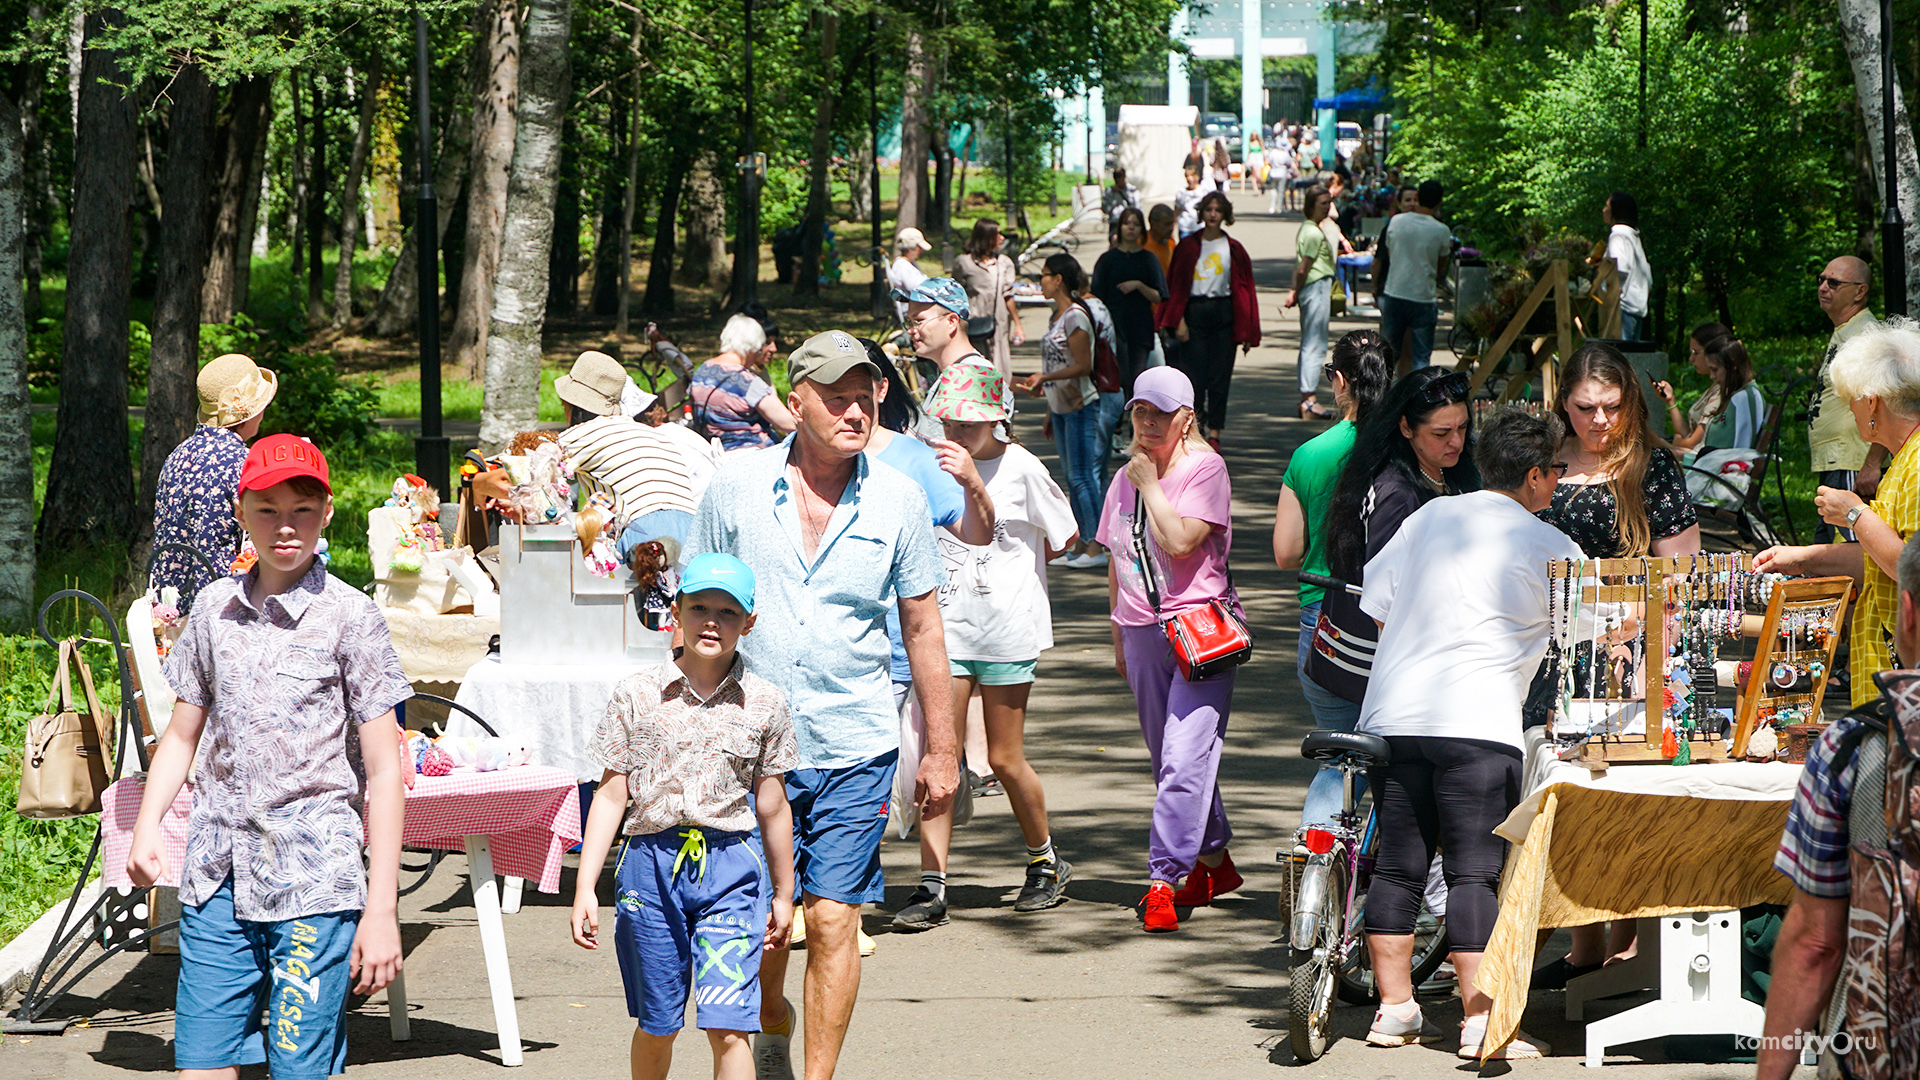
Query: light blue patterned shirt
[821, 629]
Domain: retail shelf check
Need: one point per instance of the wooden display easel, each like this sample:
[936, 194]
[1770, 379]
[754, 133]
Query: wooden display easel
[1651, 595]
[1560, 341]
[1807, 592]
[1605, 296]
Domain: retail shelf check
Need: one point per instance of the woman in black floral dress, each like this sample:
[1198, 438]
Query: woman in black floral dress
[1622, 495]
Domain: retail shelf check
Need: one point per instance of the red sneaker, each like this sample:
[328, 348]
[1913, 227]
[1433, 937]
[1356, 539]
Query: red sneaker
[1159, 916]
[1198, 890]
[1224, 878]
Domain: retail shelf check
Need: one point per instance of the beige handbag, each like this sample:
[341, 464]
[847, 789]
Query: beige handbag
[67, 765]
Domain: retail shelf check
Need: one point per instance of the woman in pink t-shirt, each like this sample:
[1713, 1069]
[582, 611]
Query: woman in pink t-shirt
[1182, 486]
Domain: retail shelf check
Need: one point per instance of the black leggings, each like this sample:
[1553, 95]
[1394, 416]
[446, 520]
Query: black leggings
[1207, 358]
[1448, 793]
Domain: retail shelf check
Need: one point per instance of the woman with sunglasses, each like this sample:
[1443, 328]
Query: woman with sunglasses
[1621, 494]
[1359, 372]
[1073, 410]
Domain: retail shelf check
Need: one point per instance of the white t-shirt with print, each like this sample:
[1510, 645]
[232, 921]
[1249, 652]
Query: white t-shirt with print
[1626, 251]
[1462, 590]
[994, 602]
[1212, 275]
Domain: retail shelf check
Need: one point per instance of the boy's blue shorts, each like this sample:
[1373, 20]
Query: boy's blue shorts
[230, 968]
[839, 817]
[701, 921]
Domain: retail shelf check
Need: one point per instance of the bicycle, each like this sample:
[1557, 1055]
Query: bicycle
[1328, 956]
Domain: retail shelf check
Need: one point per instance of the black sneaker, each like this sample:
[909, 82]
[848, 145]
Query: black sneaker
[923, 911]
[1046, 885]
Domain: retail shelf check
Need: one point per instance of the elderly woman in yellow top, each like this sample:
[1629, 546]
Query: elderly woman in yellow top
[1878, 374]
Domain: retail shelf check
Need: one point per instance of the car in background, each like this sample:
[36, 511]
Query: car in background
[1222, 125]
[1346, 138]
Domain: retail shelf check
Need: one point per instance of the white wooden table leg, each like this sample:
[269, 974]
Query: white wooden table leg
[510, 895]
[493, 943]
[1699, 980]
[397, 1008]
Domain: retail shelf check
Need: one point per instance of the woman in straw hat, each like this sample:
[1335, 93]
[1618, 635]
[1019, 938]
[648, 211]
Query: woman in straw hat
[193, 506]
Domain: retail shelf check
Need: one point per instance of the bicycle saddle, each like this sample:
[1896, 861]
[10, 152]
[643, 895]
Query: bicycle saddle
[1329, 745]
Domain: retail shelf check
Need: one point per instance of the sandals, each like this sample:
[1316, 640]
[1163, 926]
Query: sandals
[1313, 410]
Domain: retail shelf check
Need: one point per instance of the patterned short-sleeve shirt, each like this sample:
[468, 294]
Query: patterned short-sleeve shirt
[194, 507]
[1813, 848]
[277, 790]
[691, 761]
[1898, 504]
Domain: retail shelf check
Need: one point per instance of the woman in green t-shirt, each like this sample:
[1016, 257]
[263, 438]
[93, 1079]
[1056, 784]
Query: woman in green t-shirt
[1313, 293]
[1360, 370]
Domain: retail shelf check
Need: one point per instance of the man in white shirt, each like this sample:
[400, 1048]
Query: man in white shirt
[1622, 216]
[645, 469]
[1407, 268]
[904, 273]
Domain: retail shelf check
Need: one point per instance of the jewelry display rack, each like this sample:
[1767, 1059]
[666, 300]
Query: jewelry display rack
[1789, 681]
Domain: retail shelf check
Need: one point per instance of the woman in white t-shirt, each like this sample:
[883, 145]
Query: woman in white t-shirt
[1462, 633]
[1073, 412]
[998, 621]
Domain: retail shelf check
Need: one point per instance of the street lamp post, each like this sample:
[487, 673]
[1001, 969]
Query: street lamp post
[746, 244]
[1893, 230]
[431, 455]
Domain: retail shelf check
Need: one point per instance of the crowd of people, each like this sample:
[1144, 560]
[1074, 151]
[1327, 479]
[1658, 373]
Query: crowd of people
[863, 591]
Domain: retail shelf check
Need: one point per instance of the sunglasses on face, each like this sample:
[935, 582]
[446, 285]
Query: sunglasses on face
[1834, 282]
[1446, 389]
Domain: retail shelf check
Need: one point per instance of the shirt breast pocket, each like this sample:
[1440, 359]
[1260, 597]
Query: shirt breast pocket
[868, 565]
[301, 676]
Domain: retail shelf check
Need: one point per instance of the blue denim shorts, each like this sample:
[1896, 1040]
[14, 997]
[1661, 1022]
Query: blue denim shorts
[681, 918]
[839, 816]
[230, 968]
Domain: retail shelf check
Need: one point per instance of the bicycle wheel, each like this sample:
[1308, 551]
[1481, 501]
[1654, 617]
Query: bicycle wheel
[1312, 980]
[1463, 344]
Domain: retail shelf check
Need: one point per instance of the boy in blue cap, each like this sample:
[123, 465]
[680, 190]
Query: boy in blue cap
[684, 745]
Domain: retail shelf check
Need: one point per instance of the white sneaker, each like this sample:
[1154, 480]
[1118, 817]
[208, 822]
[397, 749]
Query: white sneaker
[1065, 558]
[1473, 1032]
[772, 1059]
[1391, 1030]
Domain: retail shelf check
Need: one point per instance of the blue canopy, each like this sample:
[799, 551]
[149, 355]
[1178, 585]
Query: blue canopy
[1351, 99]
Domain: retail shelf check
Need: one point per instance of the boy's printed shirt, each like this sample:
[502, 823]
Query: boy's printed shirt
[688, 761]
[278, 785]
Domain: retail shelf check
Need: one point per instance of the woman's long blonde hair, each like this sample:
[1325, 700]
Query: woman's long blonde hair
[1630, 445]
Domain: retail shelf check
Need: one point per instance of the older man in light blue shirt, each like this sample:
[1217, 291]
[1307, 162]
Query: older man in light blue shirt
[834, 539]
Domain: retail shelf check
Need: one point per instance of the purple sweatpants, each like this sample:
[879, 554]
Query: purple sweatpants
[1185, 726]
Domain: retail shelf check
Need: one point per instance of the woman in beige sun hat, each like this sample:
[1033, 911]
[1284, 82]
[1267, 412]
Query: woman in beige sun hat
[193, 505]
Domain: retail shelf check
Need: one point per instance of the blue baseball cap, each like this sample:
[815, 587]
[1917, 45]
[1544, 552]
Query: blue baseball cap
[937, 290]
[716, 570]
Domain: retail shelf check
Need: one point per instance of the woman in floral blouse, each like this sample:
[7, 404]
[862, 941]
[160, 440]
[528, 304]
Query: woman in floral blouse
[193, 505]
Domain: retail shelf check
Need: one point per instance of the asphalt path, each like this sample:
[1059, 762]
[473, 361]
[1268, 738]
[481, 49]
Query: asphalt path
[1076, 992]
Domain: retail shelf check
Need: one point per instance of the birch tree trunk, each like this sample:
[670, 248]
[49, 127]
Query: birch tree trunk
[237, 142]
[512, 399]
[496, 82]
[806, 281]
[1860, 31]
[16, 420]
[186, 184]
[90, 494]
[913, 135]
[350, 195]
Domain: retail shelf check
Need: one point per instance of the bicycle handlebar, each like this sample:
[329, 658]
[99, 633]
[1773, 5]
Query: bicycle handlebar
[1310, 578]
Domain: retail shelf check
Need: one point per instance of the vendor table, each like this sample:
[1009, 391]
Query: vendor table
[518, 821]
[1680, 848]
[438, 648]
[551, 709]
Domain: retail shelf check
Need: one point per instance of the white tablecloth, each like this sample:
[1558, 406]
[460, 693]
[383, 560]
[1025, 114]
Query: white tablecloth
[552, 709]
[1772, 781]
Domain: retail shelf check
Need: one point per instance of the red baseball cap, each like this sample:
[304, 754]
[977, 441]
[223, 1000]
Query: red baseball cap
[282, 457]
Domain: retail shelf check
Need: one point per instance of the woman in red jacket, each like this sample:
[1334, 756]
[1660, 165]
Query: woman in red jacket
[1211, 307]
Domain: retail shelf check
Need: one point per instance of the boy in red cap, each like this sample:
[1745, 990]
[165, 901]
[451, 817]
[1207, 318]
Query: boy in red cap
[287, 681]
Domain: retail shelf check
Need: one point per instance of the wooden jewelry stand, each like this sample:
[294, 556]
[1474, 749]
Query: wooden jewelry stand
[1806, 593]
[1560, 341]
[1659, 578]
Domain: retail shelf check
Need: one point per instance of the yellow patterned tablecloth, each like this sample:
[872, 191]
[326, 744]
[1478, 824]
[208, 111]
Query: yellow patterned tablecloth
[438, 648]
[1702, 839]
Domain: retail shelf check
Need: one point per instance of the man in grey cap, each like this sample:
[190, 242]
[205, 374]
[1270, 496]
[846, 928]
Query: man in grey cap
[834, 540]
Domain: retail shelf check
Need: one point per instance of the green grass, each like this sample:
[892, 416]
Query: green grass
[460, 398]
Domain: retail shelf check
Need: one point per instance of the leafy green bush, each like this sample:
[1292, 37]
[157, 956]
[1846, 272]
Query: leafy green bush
[316, 402]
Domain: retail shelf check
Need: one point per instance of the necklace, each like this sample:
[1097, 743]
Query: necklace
[1439, 482]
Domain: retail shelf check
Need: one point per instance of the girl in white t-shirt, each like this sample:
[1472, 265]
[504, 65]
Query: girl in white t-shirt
[998, 621]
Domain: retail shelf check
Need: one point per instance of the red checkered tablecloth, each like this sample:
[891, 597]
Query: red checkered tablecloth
[530, 815]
